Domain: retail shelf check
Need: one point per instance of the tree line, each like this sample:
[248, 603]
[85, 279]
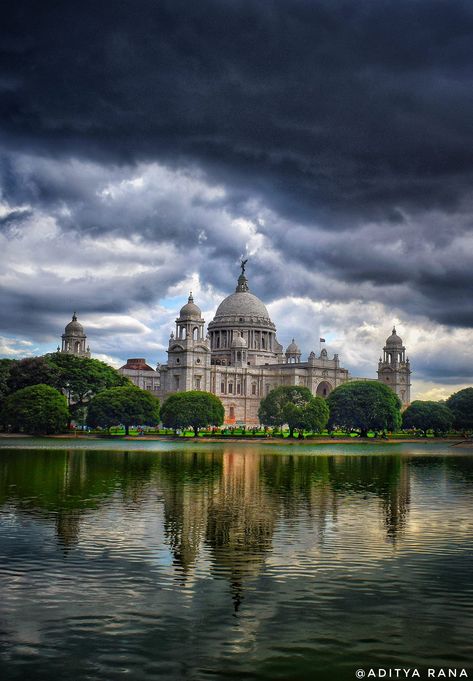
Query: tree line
[43, 395]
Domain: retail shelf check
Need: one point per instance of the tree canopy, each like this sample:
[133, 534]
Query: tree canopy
[426, 415]
[461, 404]
[125, 405]
[82, 377]
[195, 409]
[364, 405]
[33, 371]
[36, 409]
[5, 368]
[295, 406]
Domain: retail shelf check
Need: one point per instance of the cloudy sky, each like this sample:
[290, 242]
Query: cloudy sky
[146, 146]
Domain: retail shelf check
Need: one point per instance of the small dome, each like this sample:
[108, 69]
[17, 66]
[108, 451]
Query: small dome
[74, 327]
[239, 342]
[293, 349]
[190, 310]
[394, 339]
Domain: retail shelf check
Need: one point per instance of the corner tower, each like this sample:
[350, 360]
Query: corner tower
[394, 368]
[74, 339]
[188, 366]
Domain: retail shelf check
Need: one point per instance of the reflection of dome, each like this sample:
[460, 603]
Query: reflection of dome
[241, 304]
[293, 349]
[74, 328]
[190, 310]
[239, 342]
[394, 339]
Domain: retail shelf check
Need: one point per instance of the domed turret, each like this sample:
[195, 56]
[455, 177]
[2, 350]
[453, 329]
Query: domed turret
[292, 348]
[239, 351]
[190, 310]
[239, 342]
[189, 324]
[394, 339]
[74, 339]
[293, 354]
[74, 327]
[394, 369]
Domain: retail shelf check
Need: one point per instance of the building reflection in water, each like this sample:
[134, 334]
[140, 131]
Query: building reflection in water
[186, 483]
[226, 505]
[241, 519]
[230, 505]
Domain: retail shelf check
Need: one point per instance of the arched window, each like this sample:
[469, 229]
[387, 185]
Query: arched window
[253, 389]
[195, 333]
[222, 387]
[238, 356]
[230, 387]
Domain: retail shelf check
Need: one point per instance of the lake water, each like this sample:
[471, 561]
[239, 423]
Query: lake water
[232, 561]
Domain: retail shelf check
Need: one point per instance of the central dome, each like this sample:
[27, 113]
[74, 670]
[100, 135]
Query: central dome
[242, 304]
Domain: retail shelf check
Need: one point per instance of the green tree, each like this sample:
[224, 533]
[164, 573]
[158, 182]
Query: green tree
[426, 415]
[461, 404]
[33, 371]
[36, 409]
[125, 405]
[82, 377]
[364, 406]
[315, 415]
[195, 409]
[5, 369]
[289, 405]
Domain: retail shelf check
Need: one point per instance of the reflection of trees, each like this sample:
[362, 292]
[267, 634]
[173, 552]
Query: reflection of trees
[228, 501]
[459, 465]
[68, 483]
[315, 483]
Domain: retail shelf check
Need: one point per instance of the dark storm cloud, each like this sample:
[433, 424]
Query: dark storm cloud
[330, 109]
[341, 130]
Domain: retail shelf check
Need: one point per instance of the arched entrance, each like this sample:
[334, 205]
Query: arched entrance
[323, 389]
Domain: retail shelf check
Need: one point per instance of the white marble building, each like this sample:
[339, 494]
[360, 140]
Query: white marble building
[240, 358]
